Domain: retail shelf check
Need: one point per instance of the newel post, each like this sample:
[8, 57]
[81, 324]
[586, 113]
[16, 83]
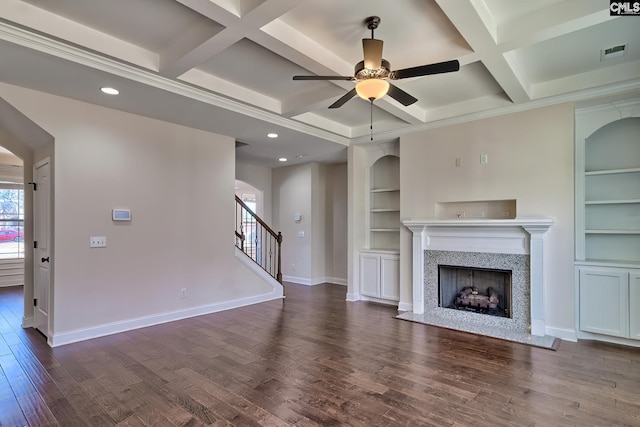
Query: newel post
[279, 274]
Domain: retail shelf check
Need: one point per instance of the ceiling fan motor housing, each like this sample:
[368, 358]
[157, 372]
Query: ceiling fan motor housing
[362, 73]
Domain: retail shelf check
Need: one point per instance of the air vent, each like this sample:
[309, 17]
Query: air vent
[613, 52]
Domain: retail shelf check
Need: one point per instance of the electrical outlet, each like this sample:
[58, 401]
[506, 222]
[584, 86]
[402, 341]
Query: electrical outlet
[98, 242]
[183, 293]
[478, 214]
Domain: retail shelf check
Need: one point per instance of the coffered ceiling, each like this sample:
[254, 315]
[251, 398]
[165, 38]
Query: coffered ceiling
[227, 65]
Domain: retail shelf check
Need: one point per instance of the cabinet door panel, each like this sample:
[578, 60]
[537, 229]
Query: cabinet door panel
[634, 306]
[370, 275]
[390, 277]
[604, 302]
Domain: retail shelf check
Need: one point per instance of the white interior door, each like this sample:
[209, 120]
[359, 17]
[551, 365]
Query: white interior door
[41, 231]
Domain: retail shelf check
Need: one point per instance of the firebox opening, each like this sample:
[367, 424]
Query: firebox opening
[481, 290]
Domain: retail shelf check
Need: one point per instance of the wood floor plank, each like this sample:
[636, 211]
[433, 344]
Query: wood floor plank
[310, 360]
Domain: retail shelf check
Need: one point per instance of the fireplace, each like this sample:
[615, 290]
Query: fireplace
[478, 290]
[510, 245]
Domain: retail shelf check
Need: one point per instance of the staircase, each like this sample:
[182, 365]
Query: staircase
[258, 241]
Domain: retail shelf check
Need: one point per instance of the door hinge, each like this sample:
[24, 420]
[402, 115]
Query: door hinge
[35, 302]
[35, 244]
[35, 185]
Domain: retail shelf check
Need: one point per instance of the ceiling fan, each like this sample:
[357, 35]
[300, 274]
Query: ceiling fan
[373, 74]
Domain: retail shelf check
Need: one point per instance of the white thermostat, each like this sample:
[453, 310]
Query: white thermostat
[121, 214]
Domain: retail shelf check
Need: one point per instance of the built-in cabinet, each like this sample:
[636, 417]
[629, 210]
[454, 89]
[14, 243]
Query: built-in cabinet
[380, 275]
[380, 257]
[609, 301]
[608, 222]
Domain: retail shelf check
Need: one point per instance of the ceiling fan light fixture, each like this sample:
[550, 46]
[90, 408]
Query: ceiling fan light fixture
[372, 89]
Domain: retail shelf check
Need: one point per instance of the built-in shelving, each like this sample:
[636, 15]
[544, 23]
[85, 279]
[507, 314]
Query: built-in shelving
[608, 223]
[384, 203]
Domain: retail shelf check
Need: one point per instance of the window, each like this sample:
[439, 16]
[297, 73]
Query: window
[11, 223]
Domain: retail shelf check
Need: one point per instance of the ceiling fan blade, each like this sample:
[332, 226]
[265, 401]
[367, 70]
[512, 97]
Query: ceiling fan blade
[323, 78]
[401, 96]
[425, 70]
[342, 100]
[372, 49]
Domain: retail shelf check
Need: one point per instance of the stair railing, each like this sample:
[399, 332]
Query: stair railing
[258, 241]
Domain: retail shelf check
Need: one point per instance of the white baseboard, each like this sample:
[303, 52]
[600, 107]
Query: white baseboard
[353, 297]
[27, 322]
[314, 282]
[563, 334]
[405, 306]
[337, 281]
[297, 280]
[58, 339]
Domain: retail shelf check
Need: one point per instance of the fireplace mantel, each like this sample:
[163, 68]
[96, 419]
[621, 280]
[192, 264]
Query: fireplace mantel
[524, 236]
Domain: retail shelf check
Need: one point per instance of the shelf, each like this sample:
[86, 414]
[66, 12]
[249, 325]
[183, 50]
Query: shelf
[612, 202]
[612, 171]
[630, 232]
[384, 210]
[386, 229]
[384, 190]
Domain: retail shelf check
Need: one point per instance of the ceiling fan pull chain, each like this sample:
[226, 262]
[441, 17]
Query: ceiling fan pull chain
[371, 126]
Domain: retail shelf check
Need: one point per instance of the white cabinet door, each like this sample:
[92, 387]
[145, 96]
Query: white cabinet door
[634, 306]
[604, 301]
[390, 277]
[370, 274]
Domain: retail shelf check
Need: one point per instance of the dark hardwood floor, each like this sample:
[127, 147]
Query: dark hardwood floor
[311, 360]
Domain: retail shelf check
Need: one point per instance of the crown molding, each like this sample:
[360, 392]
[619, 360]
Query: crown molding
[38, 42]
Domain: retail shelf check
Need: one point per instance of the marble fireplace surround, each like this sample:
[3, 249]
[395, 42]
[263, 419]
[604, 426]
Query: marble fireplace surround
[496, 243]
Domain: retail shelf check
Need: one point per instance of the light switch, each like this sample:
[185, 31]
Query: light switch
[301, 234]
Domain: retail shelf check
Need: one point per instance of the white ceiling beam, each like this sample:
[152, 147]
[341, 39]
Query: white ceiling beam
[469, 24]
[325, 124]
[628, 71]
[551, 22]
[230, 90]
[193, 51]
[310, 100]
[29, 16]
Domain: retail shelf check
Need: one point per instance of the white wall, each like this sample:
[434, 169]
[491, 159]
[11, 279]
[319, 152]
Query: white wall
[174, 180]
[292, 195]
[318, 222]
[336, 230]
[319, 193]
[530, 159]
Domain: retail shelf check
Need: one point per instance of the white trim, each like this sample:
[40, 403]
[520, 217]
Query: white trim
[297, 280]
[309, 282]
[27, 322]
[563, 334]
[41, 43]
[62, 338]
[582, 95]
[582, 335]
[522, 236]
[337, 281]
[379, 300]
[405, 306]
[353, 297]
[278, 289]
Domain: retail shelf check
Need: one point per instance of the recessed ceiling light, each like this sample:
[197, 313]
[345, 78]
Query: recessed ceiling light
[299, 156]
[272, 135]
[282, 159]
[109, 90]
